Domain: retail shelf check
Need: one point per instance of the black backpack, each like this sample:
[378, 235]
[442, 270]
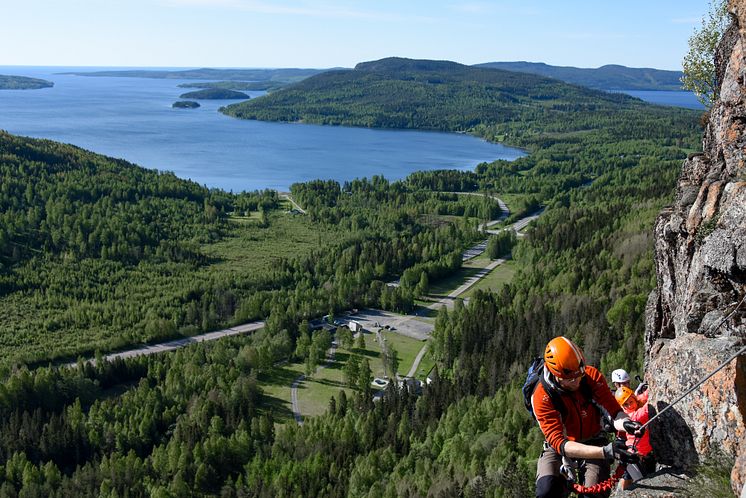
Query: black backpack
[535, 375]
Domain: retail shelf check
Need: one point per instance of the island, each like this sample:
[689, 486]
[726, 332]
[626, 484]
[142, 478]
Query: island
[185, 104]
[237, 85]
[214, 94]
[8, 82]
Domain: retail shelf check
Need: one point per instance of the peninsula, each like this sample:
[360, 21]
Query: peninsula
[8, 82]
[214, 94]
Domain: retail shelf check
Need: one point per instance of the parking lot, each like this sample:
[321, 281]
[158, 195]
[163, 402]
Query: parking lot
[408, 325]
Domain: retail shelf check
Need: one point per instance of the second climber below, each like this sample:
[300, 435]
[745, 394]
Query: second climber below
[567, 403]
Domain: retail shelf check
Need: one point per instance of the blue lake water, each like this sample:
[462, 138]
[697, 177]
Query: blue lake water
[132, 118]
[669, 98]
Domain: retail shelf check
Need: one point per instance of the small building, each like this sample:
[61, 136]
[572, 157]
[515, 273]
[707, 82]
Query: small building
[355, 326]
[414, 385]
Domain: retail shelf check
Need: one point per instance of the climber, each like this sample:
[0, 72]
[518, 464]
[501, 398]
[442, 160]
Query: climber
[638, 412]
[572, 428]
[620, 378]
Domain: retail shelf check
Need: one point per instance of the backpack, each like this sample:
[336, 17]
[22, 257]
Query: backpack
[535, 375]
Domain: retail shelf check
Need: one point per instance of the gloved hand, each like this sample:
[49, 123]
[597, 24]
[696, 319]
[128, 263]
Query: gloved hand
[617, 450]
[641, 389]
[633, 427]
[607, 425]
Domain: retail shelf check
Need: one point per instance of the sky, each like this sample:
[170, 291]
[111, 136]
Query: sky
[335, 33]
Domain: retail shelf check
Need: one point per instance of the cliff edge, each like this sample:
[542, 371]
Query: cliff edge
[696, 317]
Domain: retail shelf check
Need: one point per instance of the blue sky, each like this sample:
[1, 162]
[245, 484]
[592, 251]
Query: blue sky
[328, 33]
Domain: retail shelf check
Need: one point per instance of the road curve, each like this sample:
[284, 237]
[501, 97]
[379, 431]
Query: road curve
[294, 399]
[294, 387]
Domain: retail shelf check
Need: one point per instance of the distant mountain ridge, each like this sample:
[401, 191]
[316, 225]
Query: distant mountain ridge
[608, 77]
[283, 74]
[425, 94]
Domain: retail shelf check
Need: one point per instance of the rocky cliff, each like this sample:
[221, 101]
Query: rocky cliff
[696, 317]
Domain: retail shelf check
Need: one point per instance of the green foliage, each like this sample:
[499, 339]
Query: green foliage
[501, 244]
[712, 478]
[439, 95]
[187, 419]
[214, 94]
[699, 62]
[608, 77]
[196, 422]
[98, 254]
[237, 85]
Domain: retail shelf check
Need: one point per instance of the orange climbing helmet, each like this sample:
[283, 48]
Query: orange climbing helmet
[564, 359]
[622, 395]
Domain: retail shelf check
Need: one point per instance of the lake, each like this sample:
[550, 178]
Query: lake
[669, 98]
[132, 119]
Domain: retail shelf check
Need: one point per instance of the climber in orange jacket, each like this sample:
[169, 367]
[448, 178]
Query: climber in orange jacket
[567, 403]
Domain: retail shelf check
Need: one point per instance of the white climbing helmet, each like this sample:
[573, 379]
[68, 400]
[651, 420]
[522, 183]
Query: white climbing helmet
[619, 375]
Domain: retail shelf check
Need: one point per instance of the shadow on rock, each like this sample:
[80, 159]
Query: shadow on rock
[672, 439]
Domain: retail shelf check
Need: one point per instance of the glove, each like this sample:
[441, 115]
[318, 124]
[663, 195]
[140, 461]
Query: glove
[641, 389]
[607, 425]
[632, 427]
[617, 450]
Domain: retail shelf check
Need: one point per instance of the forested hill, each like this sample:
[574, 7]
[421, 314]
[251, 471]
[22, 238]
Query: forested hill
[608, 77]
[58, 199]
[22, 83]
[423, 94]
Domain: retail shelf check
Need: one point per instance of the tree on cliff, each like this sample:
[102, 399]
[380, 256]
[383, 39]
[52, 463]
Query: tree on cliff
[699, 62]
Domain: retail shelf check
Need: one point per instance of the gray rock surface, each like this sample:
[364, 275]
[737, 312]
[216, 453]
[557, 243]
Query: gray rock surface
[696, 317]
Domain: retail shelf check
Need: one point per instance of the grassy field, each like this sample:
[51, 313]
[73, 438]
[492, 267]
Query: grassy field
[51, 323]
[315, 392]
[426, 364]
[480, 261]
[406, 347]
[252, 217]
[444, 286]
[251, 249]
[495, 279]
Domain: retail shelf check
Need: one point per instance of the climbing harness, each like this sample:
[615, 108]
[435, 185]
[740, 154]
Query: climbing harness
[601, 487]
[609, 484]
[568, 467]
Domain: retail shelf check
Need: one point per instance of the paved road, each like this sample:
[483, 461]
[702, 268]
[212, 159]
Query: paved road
[180, 343]
[503, 207]
[294, 399]
[417, 360]
[286, 195]
[519, 225]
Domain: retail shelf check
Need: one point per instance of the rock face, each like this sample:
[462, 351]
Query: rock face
[696, 317]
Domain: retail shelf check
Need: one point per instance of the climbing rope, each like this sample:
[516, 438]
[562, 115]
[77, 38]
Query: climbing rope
[601, 487]
[722, 365]
[609, 483]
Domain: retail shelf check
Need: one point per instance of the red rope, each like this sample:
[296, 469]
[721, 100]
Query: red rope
[601, 487]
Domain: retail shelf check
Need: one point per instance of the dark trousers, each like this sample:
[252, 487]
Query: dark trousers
[549, 482]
